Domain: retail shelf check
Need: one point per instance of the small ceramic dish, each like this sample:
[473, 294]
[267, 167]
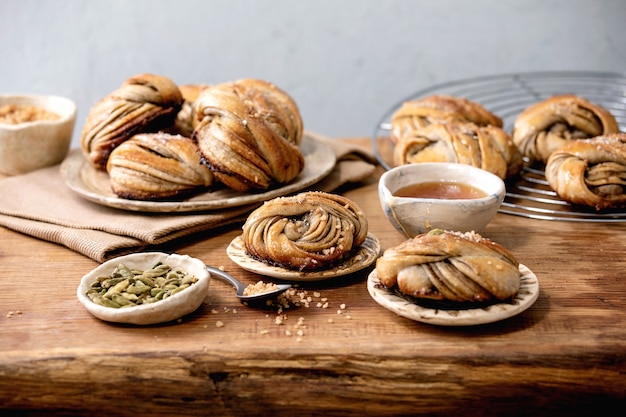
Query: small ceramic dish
[29, 145]
[168, 309]
[365, 256]
[414, 215]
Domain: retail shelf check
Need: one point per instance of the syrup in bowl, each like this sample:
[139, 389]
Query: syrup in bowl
[446, 190]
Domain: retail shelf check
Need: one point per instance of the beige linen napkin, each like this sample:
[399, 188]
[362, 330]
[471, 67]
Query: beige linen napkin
[41, 205]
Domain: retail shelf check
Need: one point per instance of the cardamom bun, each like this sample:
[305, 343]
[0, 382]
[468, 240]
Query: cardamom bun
[452, 266]
[547, 125]
[248, 132]
[416, 114]
[309, 231]
[144, 103]
[590, 172]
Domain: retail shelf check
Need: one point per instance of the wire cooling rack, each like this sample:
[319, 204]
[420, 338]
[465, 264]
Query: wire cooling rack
[507, 96]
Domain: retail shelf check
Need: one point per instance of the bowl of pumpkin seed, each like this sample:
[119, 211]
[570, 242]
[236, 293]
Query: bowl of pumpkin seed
[144, 288]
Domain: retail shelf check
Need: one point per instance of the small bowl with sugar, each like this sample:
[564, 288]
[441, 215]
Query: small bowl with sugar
[35, 131]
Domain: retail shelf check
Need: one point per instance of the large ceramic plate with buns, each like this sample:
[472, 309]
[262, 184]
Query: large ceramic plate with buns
[365, 256]
[94, 185]
[450, 316]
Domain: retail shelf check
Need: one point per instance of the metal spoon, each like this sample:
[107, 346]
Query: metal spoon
[240, 286]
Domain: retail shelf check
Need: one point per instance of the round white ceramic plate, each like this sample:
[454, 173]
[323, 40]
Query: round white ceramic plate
[366, 255]
[94, 185]
[527, 295]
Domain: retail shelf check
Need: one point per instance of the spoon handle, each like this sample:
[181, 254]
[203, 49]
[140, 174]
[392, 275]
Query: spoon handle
[239, 286]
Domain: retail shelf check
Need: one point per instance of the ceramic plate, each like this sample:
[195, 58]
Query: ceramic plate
[93, 185]
[368, 252]
[528, 293]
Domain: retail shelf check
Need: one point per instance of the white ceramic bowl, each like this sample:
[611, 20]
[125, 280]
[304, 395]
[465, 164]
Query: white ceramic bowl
[28, 146]
[171, 308]
[413, 216]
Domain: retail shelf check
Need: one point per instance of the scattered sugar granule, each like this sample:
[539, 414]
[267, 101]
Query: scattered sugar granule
[13, 313]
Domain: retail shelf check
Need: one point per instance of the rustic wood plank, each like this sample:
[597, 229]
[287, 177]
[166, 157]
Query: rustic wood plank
[566, 354]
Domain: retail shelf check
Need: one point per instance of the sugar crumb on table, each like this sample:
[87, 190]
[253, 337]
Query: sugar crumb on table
[13, 313]
[291, 299]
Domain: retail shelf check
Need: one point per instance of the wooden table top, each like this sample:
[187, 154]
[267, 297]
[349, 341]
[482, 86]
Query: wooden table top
[566, 354]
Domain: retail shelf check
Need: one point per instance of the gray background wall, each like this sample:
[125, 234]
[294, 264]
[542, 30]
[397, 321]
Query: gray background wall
[345, 62]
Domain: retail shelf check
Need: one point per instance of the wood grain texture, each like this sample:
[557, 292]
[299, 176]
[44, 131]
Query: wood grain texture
[565, 355]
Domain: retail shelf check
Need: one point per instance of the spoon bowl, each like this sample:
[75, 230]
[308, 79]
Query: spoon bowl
[240, 286]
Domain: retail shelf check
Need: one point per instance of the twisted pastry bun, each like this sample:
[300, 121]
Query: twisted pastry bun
[309, 231]
[249, 132]
[452, 266]
[185, 121]
[144, 103]
[155, 166]
[486, 147]
[416, 114]
[590, 172]
[547, 125]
